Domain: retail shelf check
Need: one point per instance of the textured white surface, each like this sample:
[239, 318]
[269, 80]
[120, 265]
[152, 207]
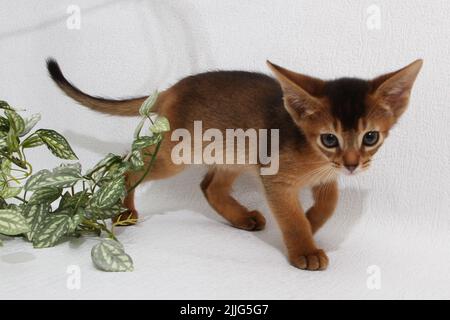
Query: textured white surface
[396, 216]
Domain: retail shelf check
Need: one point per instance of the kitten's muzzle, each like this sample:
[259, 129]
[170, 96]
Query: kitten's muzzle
[351, 167]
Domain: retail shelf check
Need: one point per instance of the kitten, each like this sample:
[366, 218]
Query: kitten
[325, 128]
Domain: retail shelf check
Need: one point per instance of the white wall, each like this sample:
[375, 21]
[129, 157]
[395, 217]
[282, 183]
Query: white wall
[127, 48]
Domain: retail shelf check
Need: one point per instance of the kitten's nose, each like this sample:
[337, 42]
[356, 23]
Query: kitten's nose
[351, 167]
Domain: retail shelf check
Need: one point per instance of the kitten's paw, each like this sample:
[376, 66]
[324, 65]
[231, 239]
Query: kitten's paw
[315, 260]
[126, 219]
[252, 221]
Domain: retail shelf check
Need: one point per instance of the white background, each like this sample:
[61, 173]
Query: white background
[395, 217]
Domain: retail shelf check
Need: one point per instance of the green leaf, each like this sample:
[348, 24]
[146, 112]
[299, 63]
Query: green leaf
[33, 180]
[12, 222]
[4, 105]
[32, 141]
[10, 192]
[3, 143]
[109, 255]
[145, 108]
[51, 230]
[57, 144]
[6, 166]
[30, 123]
[3, 203]
[136, 160]
[4, 126]
[110, 193]
[106, 162]
[68, 201]
[68, 168]
[146, 141]
[45, 195]
[12, 140]
[138, 129]
[16, 121]
[116, 171]
[58, 179]
[34, 215]
[161, 125]
[76, 220]
[95, 213]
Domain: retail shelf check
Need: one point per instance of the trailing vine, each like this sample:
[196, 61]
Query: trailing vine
[50, 206]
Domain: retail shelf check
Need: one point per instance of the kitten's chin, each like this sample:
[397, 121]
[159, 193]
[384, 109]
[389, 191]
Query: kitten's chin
[348, 173]
[359, 171]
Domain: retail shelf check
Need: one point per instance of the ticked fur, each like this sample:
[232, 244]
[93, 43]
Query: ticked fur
[308, 113]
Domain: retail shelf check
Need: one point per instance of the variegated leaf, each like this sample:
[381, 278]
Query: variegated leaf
[10, 192]
[4, 105]
[12, 222]
[12, 141]
[16, 121]
[146, 141]
[138, 129]
[59, 180]
[30, 123]
[3, 143]
[6, 166]
[161, 125]
[68, 168]
[96, 213]
[136, 160]
[107, 161]
[35, 178]
[45, 195]
[3, 203]
[78, 199]
[51, 230]
[75, 220]
[34, 215]
[57, 144]
[110, 193]
[109, 255]
[146, 107]
[32, 141]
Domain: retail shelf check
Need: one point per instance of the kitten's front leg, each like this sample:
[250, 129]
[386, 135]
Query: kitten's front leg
[325, 201]
[296, 229]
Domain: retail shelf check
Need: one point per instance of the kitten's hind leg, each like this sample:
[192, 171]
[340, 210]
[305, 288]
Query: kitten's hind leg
[216, 187]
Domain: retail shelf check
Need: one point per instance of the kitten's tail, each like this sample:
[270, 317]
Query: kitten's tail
[126, 107]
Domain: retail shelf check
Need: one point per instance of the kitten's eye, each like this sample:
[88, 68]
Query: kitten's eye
[371, 138]
[329, 140]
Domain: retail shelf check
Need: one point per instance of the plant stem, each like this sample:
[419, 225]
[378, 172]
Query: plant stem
[21, 199]
[147, 170]
[79, 200]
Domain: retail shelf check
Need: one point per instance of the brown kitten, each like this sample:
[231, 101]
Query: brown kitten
[325, 127]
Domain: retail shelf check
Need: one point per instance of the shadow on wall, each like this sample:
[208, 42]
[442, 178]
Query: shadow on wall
[163, 24]
[167, 23]
[95, 145]
[51, 22]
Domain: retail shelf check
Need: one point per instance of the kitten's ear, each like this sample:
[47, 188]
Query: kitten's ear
[394, 89]
[298, 92]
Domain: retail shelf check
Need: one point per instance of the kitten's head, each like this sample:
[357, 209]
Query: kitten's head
[347, 120]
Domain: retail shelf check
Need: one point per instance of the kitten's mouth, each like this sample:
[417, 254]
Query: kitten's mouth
[350, 173]
[350, 170]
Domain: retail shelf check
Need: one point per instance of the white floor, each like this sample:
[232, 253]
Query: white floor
[188, 255]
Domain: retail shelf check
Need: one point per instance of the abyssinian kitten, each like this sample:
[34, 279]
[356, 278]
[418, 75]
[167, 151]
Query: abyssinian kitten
[325, 128]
